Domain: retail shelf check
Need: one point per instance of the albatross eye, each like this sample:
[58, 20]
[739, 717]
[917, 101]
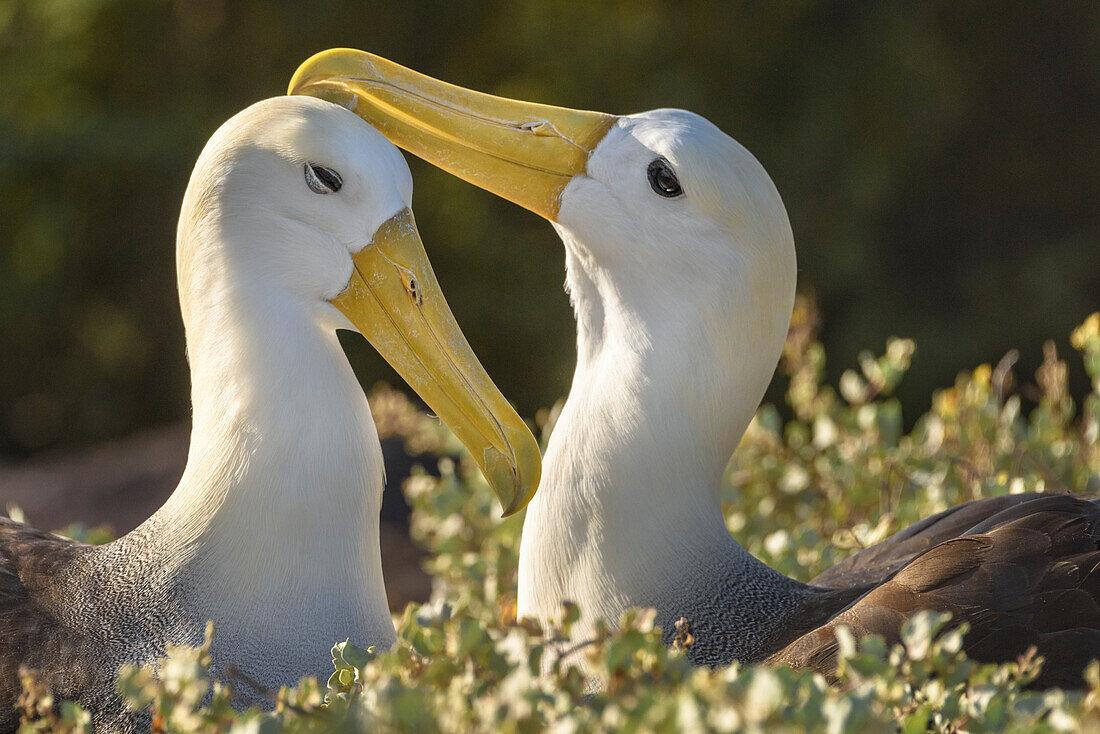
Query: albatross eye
[322, 180]
[663, 179]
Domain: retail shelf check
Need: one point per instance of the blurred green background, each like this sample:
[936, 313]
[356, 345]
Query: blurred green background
[939, 161]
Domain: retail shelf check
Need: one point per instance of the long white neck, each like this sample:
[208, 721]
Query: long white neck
[629, 513]
[273, 530]
[284, 479]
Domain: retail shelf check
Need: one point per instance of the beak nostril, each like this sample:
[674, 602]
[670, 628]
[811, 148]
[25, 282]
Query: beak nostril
[413, 289]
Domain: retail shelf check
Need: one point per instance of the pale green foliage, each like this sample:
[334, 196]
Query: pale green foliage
[82, 533]
[804, 494]
[39, 714]
[842, 474]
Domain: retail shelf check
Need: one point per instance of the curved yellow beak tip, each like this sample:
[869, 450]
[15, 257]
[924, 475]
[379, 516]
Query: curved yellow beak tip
[395, 301]
[514, 480]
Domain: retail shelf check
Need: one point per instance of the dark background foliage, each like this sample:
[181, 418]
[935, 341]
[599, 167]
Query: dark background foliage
[938, 159]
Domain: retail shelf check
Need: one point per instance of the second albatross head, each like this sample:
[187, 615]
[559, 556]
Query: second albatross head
[322, 222]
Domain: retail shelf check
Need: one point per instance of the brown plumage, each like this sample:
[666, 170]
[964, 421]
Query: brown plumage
[1021, 570]
[33, 633]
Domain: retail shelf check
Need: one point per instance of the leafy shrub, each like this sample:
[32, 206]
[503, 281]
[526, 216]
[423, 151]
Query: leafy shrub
[801, 494]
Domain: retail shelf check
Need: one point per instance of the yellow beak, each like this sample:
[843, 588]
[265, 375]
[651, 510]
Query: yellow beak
[393, 299]
[524, 152]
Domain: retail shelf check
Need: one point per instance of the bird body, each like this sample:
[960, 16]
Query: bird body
[680, 267]
[296, 223]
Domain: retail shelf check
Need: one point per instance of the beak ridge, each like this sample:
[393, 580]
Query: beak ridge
[523, 151]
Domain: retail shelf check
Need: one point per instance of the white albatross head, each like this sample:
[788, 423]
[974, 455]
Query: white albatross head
[297, 207]
[294, 190]
[676, 222]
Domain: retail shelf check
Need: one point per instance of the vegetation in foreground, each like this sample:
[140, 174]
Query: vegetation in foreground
[801, 494]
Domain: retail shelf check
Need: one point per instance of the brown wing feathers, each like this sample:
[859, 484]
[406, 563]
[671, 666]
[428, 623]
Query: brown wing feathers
[1022, 571]
[30, 635]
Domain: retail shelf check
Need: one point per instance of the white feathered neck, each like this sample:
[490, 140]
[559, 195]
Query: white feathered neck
[681, 311]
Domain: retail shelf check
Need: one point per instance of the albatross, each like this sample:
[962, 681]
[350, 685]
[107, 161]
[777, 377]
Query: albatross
[296, 223]
[680, 265]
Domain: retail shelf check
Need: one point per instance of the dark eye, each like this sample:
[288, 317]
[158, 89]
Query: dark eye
[322, 180]
[663, 179]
